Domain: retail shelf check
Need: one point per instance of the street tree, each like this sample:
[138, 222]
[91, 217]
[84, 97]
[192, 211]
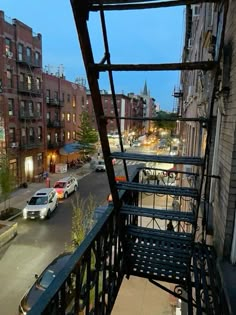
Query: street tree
[167, 122]
[82, 219]
[86, 136]
[7, 180]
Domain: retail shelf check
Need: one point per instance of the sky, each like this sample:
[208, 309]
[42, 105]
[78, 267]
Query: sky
[141, 36]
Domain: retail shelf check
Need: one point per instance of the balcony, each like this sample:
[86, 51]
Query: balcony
[26, 115]
[138, 240]
[33, 143]
[55, 145]
[55, 124]
[29, 89]
[28, 62]
[54, 102]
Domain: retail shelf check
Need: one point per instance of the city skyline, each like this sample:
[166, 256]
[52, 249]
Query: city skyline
[133, 44]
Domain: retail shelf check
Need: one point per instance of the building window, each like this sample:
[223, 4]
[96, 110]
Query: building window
[49, 137]
[63, 136]
[29, 82]
[31, 109]
[82, 101]
[63, 97]
[74, 118]
[22, 80]
[9, 79]
[12, 135]
[74, 135]
[31, 134]
[68, 117]
[20, 52]
[23, 132]
[56, 116]
[37, 58]
[28, 54]
[62, 116]
[48, 116]
[39, 109]
[56, 137]
[7, 46]
[38, 84]
[40, 133]
[74, 101]
[56, 97]
[40, 159]
[68, 97]
[22, 108]
[68, 135]
[10, 107]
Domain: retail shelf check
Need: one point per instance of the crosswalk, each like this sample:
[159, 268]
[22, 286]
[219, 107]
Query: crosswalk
[120, 162]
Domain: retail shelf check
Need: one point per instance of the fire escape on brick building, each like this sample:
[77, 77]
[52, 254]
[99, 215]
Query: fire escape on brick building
[173, 248]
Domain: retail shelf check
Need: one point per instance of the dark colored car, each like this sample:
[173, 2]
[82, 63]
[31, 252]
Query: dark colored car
[42, 283]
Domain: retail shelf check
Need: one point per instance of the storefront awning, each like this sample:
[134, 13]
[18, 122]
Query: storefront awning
[69, 148]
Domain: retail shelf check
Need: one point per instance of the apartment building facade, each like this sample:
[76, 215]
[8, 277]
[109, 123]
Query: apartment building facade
[130, 105]
[21, 98]
[64, 102]
[219, 200]
[39, 111]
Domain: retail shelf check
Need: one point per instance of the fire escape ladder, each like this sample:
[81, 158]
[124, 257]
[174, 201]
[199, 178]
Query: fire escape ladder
[160, 211]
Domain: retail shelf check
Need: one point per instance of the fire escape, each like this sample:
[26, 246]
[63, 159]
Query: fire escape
[172, 247]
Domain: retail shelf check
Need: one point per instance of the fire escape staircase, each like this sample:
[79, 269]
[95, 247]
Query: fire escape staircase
[167, 251]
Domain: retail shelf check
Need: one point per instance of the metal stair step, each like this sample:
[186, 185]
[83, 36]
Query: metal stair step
[159, 235]
[159, 189]
[162, 255]
[159, 213]
[158, 158]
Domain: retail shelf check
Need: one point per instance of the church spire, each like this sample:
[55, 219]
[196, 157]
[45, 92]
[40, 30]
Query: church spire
[145, 91]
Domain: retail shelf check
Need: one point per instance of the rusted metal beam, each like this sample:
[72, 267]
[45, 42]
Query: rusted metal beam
[139, 4]
[199, 65]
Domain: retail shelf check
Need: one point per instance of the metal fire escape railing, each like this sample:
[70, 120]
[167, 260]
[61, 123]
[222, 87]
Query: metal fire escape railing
[151, 229]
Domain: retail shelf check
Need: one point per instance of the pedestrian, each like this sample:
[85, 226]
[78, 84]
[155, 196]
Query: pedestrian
[170, 226]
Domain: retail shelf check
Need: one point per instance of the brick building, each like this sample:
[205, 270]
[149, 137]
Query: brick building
[39, 111]
[21, 100]
[64, 102]
[130, 105]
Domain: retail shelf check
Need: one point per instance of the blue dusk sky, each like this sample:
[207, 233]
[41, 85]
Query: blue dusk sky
[141, 36]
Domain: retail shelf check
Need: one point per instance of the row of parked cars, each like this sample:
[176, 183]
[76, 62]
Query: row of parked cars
[45, 200]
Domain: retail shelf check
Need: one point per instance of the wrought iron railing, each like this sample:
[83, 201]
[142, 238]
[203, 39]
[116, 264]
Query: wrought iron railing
[91, 279]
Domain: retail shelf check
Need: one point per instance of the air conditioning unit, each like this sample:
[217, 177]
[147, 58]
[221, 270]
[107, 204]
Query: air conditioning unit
[14, 145]
[9, 54]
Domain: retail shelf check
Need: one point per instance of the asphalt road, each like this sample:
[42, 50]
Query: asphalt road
[39, 242]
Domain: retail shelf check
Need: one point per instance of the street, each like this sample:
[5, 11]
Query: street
[38, 242]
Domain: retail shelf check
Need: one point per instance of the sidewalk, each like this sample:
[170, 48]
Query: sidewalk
[21, 195]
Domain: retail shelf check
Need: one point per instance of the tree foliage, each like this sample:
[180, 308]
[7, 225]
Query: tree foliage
[165, 123]
[7, 180]
[86, 135]
[82, 219]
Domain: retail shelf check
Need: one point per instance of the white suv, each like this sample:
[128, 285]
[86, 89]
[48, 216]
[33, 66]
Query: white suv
[41, 204]
[100, 166]
[65, 186]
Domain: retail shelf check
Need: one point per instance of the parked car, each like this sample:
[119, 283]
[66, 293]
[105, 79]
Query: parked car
[65, 186]
[41, 204]
[136, 143]
[42, 283]
[100, 166]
